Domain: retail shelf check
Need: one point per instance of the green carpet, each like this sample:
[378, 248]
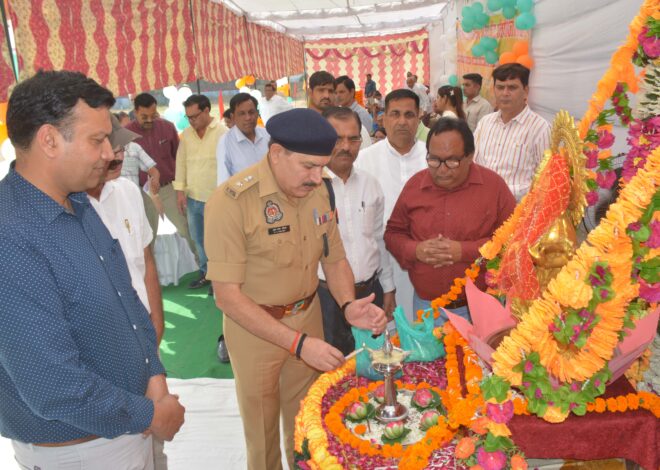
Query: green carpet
[192, 326]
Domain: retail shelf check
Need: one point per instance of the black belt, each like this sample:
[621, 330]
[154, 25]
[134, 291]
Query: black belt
[361, 288]
[458, 303]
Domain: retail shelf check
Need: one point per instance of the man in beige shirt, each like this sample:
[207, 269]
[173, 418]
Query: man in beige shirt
[267, 228]
[195, 177]
[477, 106]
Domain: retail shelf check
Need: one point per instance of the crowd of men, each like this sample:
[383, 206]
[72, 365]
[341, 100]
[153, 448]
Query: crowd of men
[303, 230]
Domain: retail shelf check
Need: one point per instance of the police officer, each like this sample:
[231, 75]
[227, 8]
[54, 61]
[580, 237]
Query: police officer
[269, 226]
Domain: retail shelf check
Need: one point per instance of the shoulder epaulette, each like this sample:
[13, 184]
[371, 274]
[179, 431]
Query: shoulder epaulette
[237, 185]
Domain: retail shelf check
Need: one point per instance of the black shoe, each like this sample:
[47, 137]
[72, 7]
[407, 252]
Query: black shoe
[199, 283]
[223, 354]
[211, 290]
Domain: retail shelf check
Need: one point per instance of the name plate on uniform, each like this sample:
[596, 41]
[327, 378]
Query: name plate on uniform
[276, 230]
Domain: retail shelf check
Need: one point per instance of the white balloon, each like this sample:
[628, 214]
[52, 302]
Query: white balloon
[244, 89]
[170, 92]
[256, 94]
[282, 81]
[183, 93]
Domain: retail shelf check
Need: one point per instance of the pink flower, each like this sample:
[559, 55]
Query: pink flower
[491, 460]
[606, 179]
[529, 365]
[592, 198]
[654, 239]
[394, 430]
[423, 398]
[500, 413]
[650, 44]
[649, 292]
[357, 411]
[428, 419]
[592, 159]
[605, 139]
[379, 393]
[538, 394]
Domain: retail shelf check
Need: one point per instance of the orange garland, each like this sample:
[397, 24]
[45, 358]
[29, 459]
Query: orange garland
[454, 291]
[632, 401]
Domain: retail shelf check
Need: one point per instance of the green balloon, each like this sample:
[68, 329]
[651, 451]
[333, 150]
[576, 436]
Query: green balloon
[478, 50]
[508, 12]
[467, 13]
[491, 57]
[524, 5]
[453, 80]
[508, 3]
[525, 21]
[477, 7]
[488, 42]
[494, 5]
[484, 19]
[467, 25]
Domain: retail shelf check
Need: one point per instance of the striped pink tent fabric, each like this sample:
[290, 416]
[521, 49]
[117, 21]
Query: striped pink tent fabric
[127, 45]
[274, 54]
[387, 58]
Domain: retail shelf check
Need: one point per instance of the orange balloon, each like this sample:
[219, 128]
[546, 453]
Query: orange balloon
[249, 79]
[507, 58]
[526, 61]
[520, 48]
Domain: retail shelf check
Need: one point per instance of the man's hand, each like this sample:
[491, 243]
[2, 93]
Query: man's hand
[439, 251]
[389, 303]
[321, 355]
[181, 202]
[362, 313]
[168, 417]
[154, 180]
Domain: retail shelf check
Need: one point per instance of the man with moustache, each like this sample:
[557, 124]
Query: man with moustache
[444, 214]
[81, 384]
[268, 228]
[360, 201]
[392, 161]
[245, 143]
[321, 91]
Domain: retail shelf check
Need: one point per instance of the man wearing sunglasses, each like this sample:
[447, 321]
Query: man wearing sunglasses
[444, 214]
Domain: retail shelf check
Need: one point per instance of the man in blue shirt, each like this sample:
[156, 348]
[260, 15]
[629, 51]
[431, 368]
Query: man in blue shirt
[79, 369]
[245, 143]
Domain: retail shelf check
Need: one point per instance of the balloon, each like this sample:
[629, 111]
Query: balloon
[491, 57]
[509, 12]
[478, 50]
[524, 5]
[488, 42]
[249, 79]
[453, 80]
[467, 27]
[509, 3]
[507, 58]
[244, 89]
[466, 13]
[494, 5]
[256, 94]
[484, 19]
[477, 7]
[182, 94]
[520, 48]
[526, 61]
[170, 92]
[525, 21]
[240, 83]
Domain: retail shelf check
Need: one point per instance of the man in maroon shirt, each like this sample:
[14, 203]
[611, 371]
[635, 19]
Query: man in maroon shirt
[160, 140]
[444, 214]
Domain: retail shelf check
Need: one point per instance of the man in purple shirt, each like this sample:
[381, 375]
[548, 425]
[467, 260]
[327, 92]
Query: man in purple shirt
[160, 140]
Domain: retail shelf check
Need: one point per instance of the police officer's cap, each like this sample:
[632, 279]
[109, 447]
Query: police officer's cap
[302, 130]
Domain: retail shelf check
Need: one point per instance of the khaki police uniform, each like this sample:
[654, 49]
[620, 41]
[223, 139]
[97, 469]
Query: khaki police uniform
[256, 237]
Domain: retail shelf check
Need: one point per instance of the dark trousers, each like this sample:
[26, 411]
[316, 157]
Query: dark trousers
[336, 329]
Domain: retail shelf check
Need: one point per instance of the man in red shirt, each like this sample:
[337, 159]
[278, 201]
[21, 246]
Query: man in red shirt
[444, 214]
[159, 138]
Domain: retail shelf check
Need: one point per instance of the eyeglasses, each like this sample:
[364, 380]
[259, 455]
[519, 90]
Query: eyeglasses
[192, 118]
[451, 162]
[351, 139]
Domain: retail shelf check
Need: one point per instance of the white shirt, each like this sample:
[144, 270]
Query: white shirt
[360, 205]
[366, 138]
[365, 117]
[449, 114]
[275, 105]
[236, 152]
[121, 209]
[391, 169]
[135, 160]
[512, 150]
[424, 100]
[475, 110]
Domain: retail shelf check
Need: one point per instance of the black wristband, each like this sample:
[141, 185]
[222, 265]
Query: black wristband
[300, 345]
[345, 306]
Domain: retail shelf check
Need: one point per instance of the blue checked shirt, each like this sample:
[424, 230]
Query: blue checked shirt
[77, 347]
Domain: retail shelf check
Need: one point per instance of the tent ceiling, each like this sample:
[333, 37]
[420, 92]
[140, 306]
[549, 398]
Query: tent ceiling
[313, 19]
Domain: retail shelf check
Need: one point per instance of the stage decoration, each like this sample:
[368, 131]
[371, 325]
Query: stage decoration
[228, 46]
[386, 57]
[7, 77]
[110, 41]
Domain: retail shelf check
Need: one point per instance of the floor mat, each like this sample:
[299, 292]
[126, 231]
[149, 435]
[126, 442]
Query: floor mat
[192, 326]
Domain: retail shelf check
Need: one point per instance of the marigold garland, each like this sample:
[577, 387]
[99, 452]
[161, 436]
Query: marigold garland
[454, 291]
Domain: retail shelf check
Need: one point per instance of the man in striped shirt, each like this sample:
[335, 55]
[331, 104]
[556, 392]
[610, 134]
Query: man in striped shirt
[511, 141]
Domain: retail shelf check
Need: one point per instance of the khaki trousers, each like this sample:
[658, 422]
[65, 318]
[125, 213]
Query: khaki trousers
[270, 383]
[168, 198]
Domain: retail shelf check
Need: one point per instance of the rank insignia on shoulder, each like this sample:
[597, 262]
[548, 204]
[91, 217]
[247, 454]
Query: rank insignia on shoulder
[235, 186]
[272, 212]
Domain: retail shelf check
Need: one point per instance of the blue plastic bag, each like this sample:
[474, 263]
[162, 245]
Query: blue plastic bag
[418, 338]
[363, 361]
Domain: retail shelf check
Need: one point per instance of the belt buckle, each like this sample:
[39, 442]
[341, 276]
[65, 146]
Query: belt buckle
[297, 306]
